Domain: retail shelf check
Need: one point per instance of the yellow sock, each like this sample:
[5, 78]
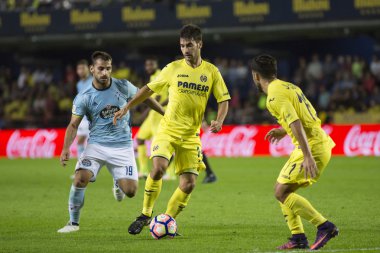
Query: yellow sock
[177, 202]
[142, 159]
[294, 221]
[171, 170]
[300, 206]
[152, 190]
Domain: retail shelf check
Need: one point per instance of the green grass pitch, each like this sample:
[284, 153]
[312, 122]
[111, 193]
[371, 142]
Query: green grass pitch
[236, 214]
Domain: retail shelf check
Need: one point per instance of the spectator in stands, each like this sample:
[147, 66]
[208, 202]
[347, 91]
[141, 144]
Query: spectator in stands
[314, 69]
[369, 82]
[324, 98]
[375, 67]
[357, 68]
[375, 98]
[300, 73]
[122, 71]
[346, 82]
[329, 70]
[16, 111]
[24, 78]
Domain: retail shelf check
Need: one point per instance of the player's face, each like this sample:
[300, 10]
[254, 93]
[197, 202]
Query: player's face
[256, 80]
[101, 71]
[191, 49]
[82, 71]
[150, 66]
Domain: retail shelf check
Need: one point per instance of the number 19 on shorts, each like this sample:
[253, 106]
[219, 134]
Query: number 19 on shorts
[129, 170]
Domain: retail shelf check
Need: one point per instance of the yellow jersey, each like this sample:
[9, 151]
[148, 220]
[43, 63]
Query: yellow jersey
[154, 116]
[189, 90]
[287, 103]
[164, 93]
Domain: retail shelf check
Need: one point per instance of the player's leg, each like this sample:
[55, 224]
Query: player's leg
[298, 239]
[142, 159]
[170, 171]
[82, 135]
[128, 186]
[188, 164]
[294, 205]
[210, 175]
[182, 194]
[76, 198]
[143, 134]
[86, 170]
[152, 190]
[161, 151]
[154, 183]
[121, 163]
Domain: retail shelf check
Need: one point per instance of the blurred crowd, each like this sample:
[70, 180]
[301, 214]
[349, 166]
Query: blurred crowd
[334, 85]
[41, 96]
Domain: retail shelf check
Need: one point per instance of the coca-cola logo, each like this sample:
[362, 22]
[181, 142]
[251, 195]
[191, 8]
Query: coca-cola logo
[239, 142]
[360, 142]
[282, 148]
[41, 144]
[285, 146]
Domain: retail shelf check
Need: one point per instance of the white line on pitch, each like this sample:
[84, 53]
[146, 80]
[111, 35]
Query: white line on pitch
[329, 250]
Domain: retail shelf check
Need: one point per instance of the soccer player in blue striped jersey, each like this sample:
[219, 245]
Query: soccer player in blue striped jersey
[108, 144]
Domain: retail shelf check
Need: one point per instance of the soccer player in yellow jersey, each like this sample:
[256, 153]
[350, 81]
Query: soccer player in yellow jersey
[190, 82]
[150, 125]
[312, 152]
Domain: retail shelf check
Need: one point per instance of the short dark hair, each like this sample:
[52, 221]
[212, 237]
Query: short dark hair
[100, 55]
[265, 65]
[191, 32]
[152, 58]
[82, 62]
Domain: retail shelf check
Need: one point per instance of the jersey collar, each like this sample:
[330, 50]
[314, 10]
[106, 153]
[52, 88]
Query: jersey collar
[200, 65]
[93, 86]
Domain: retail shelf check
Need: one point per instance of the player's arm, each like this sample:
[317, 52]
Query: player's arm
[140, 97]
[145, 92]
[275, 135]
[145, 113]
[216, 125]
[308, 164]
[153, 104]
[222, 96]
[71, 132]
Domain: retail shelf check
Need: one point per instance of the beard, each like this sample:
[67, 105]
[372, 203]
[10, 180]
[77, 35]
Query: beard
[102, 81]
[260, 89]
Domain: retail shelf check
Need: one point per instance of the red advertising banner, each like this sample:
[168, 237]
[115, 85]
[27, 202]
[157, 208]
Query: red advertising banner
[232, 141]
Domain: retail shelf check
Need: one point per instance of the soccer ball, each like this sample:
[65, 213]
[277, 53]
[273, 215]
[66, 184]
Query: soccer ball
[163, 225]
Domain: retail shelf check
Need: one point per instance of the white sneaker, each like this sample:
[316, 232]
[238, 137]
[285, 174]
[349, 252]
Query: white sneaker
[69, 228]
[117, 192]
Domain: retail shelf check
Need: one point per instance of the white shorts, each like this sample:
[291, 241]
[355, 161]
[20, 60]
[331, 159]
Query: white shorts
[83, 129]
[120, 162]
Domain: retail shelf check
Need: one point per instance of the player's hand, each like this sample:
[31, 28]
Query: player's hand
[65, 155]
[275, 135]
[310, 167]
[215, 126]
[204, 125]
[119, 114]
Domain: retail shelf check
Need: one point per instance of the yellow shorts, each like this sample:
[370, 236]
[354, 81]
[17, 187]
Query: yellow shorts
[149, 127]
[188, 152]
[291, 174]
